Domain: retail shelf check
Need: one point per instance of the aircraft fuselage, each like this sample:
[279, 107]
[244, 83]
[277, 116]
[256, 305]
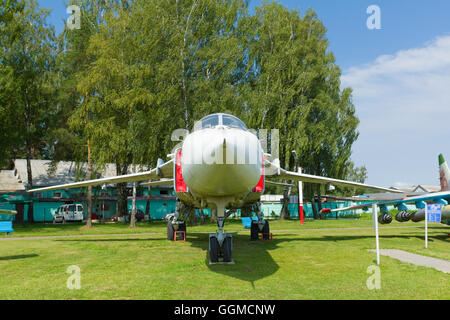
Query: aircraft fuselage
[221, 165]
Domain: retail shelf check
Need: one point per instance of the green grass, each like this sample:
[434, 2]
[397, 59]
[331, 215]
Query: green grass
[324, 259]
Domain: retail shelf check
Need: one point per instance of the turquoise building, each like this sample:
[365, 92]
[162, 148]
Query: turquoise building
[104, 204]
[44, 204]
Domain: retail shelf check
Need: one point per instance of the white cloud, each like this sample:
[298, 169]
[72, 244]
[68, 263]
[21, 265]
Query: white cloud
[403, 102]
[402, 185]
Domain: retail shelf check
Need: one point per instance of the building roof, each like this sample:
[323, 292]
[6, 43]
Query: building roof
[65, 172]
[410, 189]
[9, 181]
[427, 188]
[419, 188]
[44, 175]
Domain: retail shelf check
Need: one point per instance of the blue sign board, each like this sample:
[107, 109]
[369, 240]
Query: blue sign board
[434, 212]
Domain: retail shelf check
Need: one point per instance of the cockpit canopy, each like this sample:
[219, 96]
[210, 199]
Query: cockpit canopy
[219, 119]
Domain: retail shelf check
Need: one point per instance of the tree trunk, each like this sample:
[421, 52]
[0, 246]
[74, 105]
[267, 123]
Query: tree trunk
[19, 215]
[192, 214]
[30, 212]
[29, 172]
[313, 205]
[284, 210]
[122, 191]
[213, 216]
[319, 205]
[147, 206]
[183, 67]
[202, 216]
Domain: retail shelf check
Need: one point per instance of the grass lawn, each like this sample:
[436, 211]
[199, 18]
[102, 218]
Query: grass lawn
[325, 259]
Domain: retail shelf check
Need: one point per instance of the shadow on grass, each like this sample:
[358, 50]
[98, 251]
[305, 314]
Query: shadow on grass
[19, 256]
[252, 260]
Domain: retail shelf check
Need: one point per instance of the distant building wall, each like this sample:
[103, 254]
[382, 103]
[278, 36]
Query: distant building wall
[104, 203]
[44, 208]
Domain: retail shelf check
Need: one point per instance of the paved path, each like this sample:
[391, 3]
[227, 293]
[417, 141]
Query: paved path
[417, 259]
[79, 236]
[153, 233]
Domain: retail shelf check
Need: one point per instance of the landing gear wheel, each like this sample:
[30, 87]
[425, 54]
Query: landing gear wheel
[170, 231]
[266, 230]
[227, 249]
[213, 249]
[254, 229]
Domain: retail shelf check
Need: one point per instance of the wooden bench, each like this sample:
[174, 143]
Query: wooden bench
[6, 226]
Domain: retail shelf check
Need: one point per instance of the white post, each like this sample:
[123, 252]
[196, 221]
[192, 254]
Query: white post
[426, 226]
[375, 225]
[300, 198]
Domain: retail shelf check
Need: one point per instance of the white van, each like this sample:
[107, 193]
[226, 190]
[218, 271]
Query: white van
[68, 212]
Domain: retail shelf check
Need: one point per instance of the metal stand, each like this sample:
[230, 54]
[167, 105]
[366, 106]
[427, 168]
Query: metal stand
[260, 217]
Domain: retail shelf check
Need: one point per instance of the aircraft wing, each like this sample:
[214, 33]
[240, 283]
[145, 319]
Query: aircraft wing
[275, 170]
[434, 196]
[9, 212]
[280, 183]
[162, 182]
[162, 170]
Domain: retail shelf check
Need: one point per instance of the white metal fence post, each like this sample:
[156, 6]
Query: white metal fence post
[375, 226]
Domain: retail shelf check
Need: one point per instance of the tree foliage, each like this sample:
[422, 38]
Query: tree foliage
[28, 78]
[137, 70]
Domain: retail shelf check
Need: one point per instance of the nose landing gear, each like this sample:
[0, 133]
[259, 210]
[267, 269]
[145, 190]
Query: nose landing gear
[220, 244]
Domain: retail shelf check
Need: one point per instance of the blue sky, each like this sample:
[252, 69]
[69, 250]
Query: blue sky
[400, 75]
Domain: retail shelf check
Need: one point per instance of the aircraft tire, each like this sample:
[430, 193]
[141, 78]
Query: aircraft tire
[227, 249]
[266, 230]
[254, 230]
[213, 249]
[170, 231]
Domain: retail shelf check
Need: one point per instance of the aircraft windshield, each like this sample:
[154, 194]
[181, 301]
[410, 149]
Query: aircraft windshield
[210, 121]
[219, 119]
[232, 122]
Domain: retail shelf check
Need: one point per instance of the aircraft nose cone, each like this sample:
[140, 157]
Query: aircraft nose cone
[222, 162]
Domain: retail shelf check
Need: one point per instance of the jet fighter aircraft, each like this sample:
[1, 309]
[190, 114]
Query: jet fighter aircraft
[221, 165]
[419, 201]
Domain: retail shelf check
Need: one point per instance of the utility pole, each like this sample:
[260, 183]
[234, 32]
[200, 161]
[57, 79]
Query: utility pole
[299, 190]
[89, 194]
